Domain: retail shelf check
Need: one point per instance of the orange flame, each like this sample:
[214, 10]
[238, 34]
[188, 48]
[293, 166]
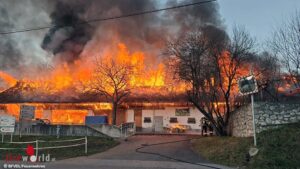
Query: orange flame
[66, 76]
[11, 81]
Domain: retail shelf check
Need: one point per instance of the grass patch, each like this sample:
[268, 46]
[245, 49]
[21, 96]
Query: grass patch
[230, 151]
[278, 149]
[95, 145]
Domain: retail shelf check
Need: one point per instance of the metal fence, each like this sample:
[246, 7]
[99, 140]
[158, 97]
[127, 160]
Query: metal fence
[37, 147]
[59, 130]
[127, 129]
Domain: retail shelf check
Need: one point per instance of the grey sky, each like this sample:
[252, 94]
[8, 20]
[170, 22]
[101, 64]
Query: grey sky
[259, 17]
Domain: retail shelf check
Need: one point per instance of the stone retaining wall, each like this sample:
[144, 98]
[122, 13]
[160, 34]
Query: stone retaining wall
[267, 115]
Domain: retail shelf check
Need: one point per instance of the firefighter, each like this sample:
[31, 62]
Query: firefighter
[210, 129]
[204, 128]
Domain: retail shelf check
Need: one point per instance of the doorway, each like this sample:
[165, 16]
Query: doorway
[158, 123]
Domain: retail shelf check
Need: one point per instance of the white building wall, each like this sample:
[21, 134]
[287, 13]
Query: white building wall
[194, 113]
[167, 113]
[147, 113]
[198, 115]
[129, 116]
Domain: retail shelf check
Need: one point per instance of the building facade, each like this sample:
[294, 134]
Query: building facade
[150, 116]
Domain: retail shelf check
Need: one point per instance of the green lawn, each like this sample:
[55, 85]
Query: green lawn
[278, 149]
[95, 145]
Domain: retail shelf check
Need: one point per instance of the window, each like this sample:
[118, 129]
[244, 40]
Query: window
[147, 119]
[191, 120]
[173, 120]
[182, 112]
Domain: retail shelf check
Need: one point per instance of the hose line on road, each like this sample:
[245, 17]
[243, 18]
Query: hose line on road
[138, 150]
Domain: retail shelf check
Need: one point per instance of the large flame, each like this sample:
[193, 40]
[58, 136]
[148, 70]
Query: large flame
[8, 79]
[143, 76]
[60, 113]
[65, 76]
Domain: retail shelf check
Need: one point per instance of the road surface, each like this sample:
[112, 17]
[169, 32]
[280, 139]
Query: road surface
[175, 152]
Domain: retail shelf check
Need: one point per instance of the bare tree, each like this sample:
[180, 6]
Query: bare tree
[268, 75]
[286, 44]
[228, 63]
[209, 62]
[111, 79]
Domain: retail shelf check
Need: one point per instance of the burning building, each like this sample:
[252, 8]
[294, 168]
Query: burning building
[53, 71]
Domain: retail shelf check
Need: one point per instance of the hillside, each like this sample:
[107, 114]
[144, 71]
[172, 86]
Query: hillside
[278, 149]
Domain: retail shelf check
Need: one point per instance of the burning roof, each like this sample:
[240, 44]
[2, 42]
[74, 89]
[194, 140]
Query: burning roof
[64, 85]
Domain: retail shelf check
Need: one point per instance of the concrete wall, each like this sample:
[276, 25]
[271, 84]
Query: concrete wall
[267, 115]
[167, 113]
[109, 130]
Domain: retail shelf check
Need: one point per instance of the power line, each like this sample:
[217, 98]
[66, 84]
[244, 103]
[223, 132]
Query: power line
[109, 18]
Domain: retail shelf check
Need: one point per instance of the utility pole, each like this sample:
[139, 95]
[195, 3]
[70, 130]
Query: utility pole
[253, 115]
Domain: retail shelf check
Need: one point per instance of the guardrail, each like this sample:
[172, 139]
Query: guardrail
[37, 148]
[121, 131]
[127, 129]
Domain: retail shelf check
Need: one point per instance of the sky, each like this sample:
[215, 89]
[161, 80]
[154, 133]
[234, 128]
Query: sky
[259, 17]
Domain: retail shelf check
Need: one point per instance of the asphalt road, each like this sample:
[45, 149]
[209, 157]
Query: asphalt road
[127, 150]
[174, 153]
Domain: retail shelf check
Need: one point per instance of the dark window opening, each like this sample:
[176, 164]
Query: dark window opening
[191, 120]
[147, 119]
[173, 120]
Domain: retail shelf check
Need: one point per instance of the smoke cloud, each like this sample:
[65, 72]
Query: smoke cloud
[68, 41]
[21, 53]
[68, 37]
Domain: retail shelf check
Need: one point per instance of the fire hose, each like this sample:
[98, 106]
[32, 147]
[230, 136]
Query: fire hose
[138, 150]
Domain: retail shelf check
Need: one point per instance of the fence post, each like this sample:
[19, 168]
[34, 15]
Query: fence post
[86, 151]
[134, 128]
[37, 148]
[121, 129]
[57, 131]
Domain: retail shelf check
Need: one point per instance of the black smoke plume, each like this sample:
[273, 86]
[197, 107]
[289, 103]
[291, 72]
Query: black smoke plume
[69, 35]
[147, 32]
[69, 40]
